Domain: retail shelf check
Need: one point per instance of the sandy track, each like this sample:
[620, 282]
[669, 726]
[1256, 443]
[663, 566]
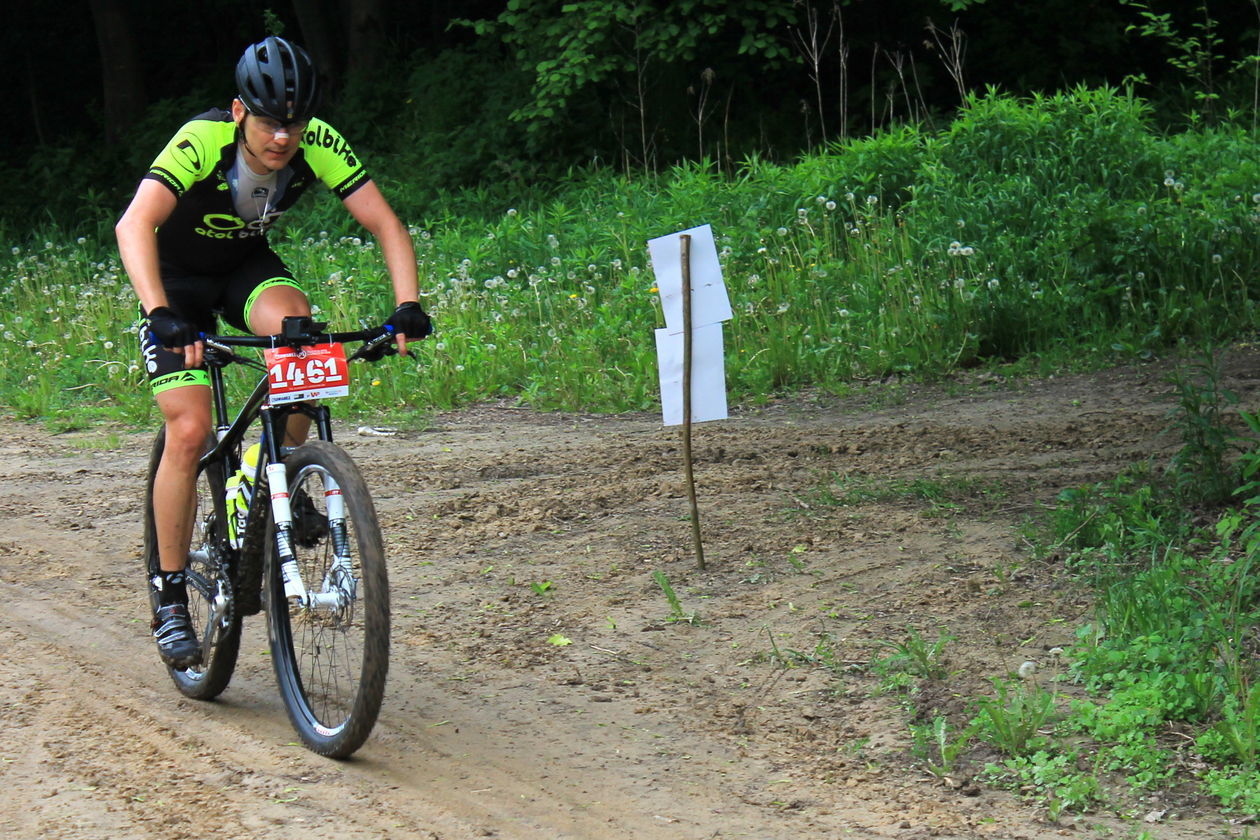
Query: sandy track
[641, 727]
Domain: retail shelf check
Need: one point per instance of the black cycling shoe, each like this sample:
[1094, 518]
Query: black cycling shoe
[309, 525]
[176, 639]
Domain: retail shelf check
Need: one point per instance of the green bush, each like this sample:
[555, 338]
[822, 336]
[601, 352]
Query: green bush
[1044, 226]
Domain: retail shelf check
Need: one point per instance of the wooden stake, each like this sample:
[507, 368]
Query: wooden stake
[687, 463]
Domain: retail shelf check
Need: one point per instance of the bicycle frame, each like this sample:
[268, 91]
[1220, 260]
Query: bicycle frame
[230, 435]
[329, 632]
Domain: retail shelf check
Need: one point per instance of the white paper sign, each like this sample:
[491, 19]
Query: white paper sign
[709, 303]
[708, 376]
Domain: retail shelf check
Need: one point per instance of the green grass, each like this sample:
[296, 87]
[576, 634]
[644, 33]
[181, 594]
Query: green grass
[1172, 644]
[942, 496]
[1058, 229]
[1161, 689]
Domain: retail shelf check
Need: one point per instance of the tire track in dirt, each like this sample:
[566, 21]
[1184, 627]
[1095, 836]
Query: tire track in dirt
[509, 531]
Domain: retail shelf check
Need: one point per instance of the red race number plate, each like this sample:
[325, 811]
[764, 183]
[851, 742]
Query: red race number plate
[308, 373]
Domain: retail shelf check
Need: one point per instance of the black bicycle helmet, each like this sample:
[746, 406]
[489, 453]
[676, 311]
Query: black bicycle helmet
[276, 78]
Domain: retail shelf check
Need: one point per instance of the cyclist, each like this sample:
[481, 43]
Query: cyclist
[193, 242]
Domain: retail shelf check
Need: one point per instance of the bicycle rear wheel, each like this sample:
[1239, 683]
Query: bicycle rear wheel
[331, 650]
[209, 581]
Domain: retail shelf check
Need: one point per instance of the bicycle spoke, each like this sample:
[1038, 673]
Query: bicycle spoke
[330, 645]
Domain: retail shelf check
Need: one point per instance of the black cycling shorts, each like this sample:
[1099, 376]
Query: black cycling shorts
[202, 300]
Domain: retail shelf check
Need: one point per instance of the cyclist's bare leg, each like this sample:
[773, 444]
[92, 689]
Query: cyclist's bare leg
[265, 317]
[187, 414]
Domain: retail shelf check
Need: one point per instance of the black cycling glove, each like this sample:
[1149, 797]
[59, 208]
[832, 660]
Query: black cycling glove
[410, 320]
[171, 330]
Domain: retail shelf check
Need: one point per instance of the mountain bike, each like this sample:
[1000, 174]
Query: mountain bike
[302, 539]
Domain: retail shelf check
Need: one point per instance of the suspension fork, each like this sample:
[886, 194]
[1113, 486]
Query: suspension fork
[274, 420]
[273, 423]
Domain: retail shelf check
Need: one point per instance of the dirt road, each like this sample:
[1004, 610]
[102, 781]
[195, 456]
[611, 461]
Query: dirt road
[508, 529]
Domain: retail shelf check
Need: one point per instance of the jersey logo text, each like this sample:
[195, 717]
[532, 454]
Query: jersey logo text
[321, 136]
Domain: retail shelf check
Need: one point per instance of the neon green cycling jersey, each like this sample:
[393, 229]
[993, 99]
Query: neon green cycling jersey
[205, 234]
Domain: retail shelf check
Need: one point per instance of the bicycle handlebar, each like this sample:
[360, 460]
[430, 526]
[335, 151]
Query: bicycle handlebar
[303, 332]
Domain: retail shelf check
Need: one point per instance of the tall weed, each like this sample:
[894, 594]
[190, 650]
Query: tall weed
[1027, 227]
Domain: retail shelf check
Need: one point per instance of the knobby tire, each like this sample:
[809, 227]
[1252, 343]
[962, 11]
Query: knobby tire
[331, 662]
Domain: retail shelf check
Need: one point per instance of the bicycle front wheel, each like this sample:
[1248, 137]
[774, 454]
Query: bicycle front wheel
[210, 602]
[330, 649]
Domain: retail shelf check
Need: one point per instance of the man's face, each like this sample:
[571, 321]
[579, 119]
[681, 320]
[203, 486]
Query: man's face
[269, 144]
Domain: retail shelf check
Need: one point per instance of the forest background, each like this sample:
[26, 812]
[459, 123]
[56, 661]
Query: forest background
[513, 96]
[897, 187]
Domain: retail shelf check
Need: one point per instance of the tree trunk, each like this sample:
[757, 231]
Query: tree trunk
[317, 20]
[123, 91]
[366, 36]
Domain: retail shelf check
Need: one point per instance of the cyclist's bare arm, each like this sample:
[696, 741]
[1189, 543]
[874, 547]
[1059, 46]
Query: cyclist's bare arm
[137, 245]
[370, 209]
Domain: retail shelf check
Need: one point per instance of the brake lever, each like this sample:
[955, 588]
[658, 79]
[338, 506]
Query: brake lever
[386, 337]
